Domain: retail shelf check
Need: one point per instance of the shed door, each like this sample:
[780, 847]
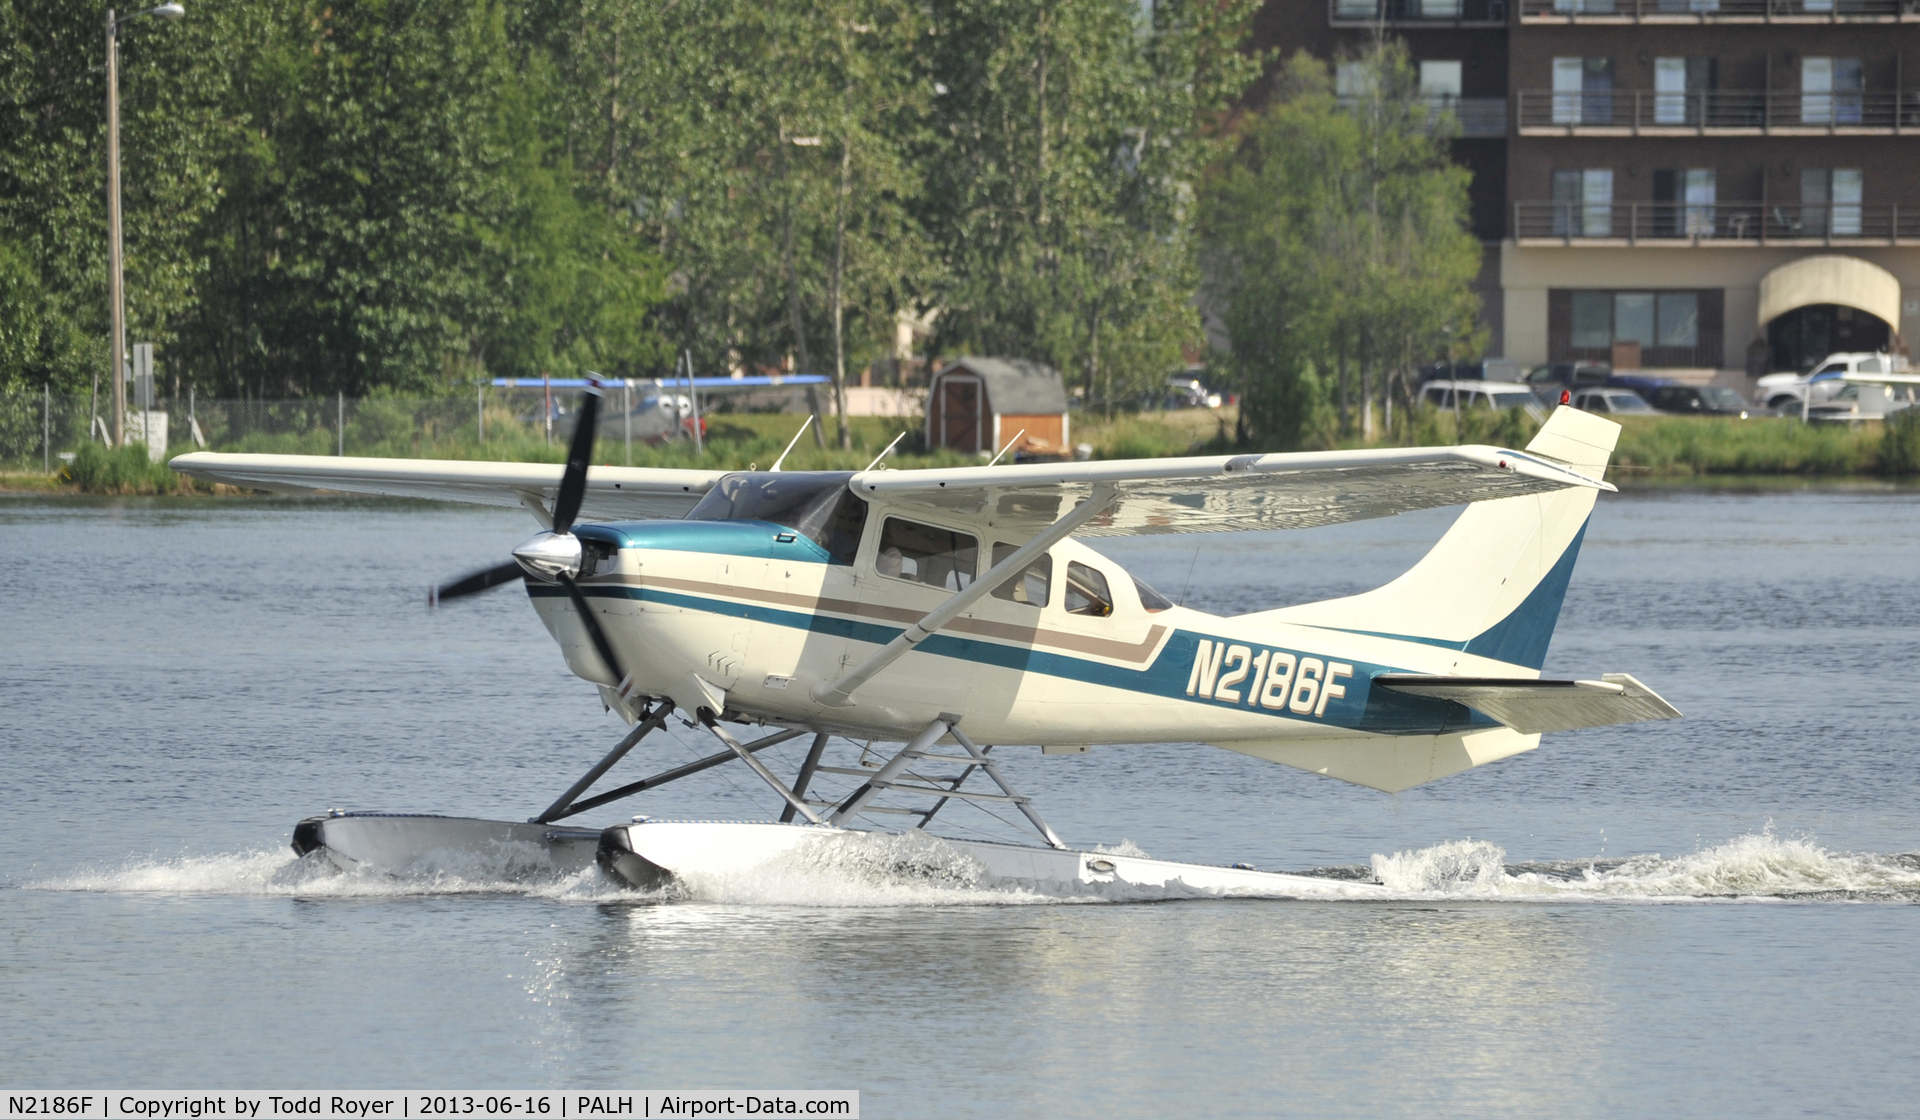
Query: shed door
[960, 414]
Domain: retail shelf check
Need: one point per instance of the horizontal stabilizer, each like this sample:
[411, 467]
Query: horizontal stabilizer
[1534, 706]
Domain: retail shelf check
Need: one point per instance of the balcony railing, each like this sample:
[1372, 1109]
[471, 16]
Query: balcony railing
[1427, 13]
[1477, 117]
[1719, 111]
[1718, 11]
[1715, 223]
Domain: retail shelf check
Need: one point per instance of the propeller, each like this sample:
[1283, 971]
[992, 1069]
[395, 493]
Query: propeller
[554, 555]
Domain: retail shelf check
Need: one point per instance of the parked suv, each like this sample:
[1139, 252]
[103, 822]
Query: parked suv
[1612, 402]
[1480, 394]
[1786, 392]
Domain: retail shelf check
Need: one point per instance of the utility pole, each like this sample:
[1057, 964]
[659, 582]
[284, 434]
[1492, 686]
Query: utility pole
[116, 296]
[116, 282]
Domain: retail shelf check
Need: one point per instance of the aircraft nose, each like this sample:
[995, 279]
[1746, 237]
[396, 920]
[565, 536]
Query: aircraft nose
[550, 555]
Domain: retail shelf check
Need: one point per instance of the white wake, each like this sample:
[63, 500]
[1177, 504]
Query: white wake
[914, 870]
[1759, 865]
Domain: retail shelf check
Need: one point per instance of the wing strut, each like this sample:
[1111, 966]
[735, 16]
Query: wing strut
[839, 694]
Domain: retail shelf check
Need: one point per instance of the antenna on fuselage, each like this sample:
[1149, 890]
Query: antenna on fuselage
[791, 442]
[887, 452]
[1008, 447]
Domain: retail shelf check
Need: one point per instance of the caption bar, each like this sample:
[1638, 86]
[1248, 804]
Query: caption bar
[314, 1104]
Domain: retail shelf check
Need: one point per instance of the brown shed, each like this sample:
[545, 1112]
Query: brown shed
[978, 404]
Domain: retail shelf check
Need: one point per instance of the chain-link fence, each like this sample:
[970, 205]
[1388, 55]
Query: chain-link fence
[37, 427]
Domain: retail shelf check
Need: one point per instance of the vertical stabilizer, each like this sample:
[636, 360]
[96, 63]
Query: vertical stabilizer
[1492, 587]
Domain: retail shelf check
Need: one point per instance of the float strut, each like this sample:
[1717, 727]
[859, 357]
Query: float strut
[649, 721]
[758, 766]
[806, 775]
[1000, 780]
[677, 773]
[859, 798]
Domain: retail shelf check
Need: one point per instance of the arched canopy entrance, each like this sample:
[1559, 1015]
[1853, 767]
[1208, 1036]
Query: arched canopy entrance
[1826, 304]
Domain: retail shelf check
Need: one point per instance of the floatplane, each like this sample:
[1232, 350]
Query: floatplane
[957, 613]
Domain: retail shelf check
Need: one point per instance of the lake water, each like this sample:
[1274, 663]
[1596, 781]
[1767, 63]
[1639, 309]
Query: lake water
[1709, 917]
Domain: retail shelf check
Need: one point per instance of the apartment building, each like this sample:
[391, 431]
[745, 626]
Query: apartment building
[1698, 184]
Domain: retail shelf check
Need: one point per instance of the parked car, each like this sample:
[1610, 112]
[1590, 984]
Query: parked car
[1784, 392]
[1612, 402]
[1481, 394]
[1190, 392]
[1549, 381]
[1699, 400]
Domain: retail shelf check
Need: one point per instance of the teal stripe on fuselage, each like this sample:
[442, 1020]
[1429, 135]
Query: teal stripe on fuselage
[758, 540]
[1363, 708]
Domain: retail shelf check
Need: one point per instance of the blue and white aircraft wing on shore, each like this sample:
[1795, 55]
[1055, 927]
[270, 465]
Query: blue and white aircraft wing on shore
[957, 606]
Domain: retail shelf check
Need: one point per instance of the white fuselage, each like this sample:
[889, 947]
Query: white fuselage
[756, 614]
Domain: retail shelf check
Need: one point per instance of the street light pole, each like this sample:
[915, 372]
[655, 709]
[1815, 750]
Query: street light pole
[116, 281]
[116, 294]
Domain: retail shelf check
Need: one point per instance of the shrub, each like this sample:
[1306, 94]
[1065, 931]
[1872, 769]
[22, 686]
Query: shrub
[98, 469]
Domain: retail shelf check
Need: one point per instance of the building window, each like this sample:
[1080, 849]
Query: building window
[1583, 91]
[1352, 80]
[1675, 329]
[1684, 202]
[1830, 201]
[1680, 89]
[1830, 89]
[1440, 81]
[1583, 203]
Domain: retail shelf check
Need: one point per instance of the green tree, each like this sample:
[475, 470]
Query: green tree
[174, 81]
[1068, 136]
[1336, 249]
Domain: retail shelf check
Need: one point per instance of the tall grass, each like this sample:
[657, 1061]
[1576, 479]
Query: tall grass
[98, 469]
[1689, 445]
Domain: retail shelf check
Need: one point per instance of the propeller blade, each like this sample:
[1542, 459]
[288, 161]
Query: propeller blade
[600, 644]
[573, 483]
[476, 583]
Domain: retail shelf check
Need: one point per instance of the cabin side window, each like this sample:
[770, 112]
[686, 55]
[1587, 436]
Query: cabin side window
[1031, 585]
[1150, 600]
[1087, 591]
[927, 554]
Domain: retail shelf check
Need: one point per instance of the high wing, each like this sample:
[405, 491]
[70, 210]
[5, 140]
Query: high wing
[1535, 706]
[1881, 378]
[1229, 492]
[613, 493]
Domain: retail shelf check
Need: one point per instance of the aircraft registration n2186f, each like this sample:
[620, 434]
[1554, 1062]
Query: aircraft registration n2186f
[955, 611]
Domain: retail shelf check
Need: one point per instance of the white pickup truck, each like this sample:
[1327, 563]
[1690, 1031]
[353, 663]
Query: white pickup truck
[1790, 392]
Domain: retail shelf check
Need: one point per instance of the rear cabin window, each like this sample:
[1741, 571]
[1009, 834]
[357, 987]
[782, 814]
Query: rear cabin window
[817, 505]
[1152, 600]
[927, 554]
[1029, 586]
[1087, 591]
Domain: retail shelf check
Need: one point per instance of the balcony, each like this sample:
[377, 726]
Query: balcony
[1715, 225]
[1642, 112]
[1479, 117]
[1417, 13]
[1719, 11]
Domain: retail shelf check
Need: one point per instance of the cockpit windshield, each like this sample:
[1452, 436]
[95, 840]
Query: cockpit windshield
[816, 504]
